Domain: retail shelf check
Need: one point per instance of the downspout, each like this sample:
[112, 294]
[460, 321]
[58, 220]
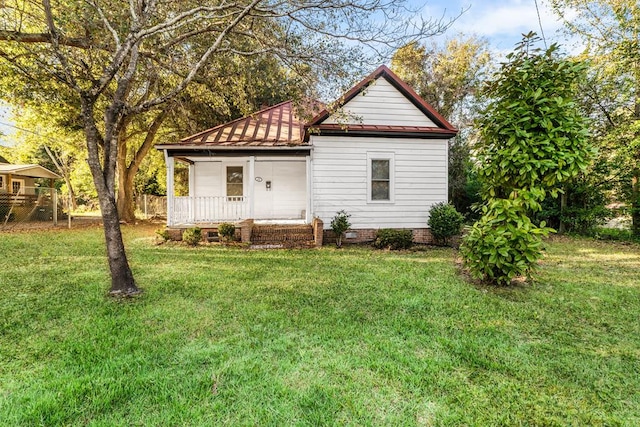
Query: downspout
[309, 166]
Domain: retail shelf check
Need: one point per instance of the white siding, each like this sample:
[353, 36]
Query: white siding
[287, 197]
[211, 179]
[208, 179]
[381, 104]
[340, 180]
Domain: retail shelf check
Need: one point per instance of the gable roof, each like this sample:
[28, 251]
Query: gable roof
[279, 128]
[32, 170]
[443, 129]
[275, 126]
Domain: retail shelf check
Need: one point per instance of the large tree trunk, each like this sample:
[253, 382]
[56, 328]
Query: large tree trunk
[122, 282]
[562, 228]
[125, 204]
[635, 203]
[127, 172]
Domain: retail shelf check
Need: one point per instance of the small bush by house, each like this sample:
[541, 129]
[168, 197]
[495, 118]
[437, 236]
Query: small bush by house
[192, 236]
[445, 222]
[389, 238]
[340, 224]
[227, 231]
[163, 234]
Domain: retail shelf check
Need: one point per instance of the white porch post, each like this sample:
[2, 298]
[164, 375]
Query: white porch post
[252, 182]
[309, 215]
[192, 192]
[169, 160]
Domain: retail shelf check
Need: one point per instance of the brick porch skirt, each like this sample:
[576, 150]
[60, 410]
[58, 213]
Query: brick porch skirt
[366, 235]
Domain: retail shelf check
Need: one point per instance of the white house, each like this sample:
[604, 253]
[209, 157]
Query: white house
[381, 155]
[20, 198]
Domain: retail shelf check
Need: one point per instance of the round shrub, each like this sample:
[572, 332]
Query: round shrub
[163, 234]
[389, 238]
[444, 221]
[192, 236]
[227, 231]
[340, 224]
[504, 243]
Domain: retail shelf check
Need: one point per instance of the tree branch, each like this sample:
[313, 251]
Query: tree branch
[20, 37]
[106, 23]
[201, 62]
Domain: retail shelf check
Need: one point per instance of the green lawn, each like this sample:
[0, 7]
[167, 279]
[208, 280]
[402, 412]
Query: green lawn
[313, 337]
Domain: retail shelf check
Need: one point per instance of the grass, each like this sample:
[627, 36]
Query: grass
[225, 336]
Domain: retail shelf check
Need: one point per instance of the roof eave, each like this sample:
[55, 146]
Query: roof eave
[23, 170]
[204, 147]
[421, 134]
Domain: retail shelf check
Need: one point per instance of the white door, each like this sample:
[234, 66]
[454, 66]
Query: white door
[280, 189]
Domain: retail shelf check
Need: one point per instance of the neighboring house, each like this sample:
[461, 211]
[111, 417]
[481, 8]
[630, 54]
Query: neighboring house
[380, 154]
[19, 196]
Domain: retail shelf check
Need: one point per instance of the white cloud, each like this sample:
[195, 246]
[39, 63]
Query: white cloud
[508, 19]
[502, 23]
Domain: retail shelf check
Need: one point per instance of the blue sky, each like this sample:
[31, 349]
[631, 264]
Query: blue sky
[501, 22]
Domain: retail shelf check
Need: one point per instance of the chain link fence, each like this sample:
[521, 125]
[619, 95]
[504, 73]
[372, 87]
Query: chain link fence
[37, 205]
[41, 207]
[148, 206]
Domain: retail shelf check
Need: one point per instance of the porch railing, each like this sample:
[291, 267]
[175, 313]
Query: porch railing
[200, 209]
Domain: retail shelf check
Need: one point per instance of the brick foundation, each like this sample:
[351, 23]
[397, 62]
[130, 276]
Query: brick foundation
[244, 233]
[175, 233]
[318, 234]
[367, 235]
[276, 234]
[245, 230]
[248, 232]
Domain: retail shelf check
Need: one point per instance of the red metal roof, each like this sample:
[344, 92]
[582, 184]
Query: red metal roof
[279, 127]
[272, 127]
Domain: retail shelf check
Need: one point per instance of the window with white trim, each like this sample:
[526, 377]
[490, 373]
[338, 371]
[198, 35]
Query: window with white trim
[1, 182]
[380, 172]
[235, 185]
[17, 186]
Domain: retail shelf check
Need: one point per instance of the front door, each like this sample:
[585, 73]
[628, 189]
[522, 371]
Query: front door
[280, 189]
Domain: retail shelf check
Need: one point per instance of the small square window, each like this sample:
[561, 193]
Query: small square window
[17, 186]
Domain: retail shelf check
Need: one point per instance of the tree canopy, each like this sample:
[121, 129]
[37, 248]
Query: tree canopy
[118, 59]
[610, 30]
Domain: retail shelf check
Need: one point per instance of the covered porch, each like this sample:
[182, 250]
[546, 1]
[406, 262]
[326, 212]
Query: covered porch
[256, 168]
[231, 189]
